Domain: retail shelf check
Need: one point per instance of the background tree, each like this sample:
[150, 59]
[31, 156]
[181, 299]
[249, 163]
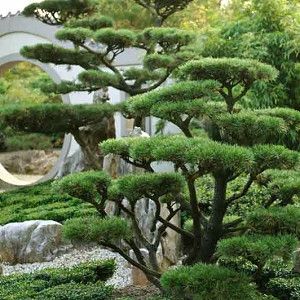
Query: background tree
[161, 10]
[266, 31]
[199, 15]
[126, 13]
[129, 14]
[229, 152]
[20, 84]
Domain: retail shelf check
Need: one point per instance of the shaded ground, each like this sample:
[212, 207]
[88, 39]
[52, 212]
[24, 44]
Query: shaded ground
[137, 293]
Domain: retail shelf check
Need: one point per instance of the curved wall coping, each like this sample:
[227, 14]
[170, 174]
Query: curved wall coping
[20, 23]
[33, 26]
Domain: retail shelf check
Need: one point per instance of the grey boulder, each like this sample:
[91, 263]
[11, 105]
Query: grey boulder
[30, 241]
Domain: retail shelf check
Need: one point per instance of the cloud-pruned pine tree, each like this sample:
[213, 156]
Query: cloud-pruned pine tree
[239, 143]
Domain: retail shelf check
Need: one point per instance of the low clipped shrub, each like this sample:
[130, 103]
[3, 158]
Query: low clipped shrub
[28, 141]
[76, 291]
[257, 249]
[30, 286]
[83, 273]
[209, 282]
[20, 287]
[275, 220]
[285, 288]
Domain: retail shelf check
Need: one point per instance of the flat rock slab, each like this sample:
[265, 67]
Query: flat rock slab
[30, 241]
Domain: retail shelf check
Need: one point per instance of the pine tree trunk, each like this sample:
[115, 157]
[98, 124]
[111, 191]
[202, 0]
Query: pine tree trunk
[194, 256]
[213, 231]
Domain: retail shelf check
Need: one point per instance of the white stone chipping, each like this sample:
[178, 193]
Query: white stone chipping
[121, 278]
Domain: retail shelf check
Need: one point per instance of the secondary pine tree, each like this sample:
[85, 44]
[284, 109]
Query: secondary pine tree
[97, 45]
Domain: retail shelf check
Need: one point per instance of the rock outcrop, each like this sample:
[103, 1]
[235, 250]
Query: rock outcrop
[33, 162]
[73, 163]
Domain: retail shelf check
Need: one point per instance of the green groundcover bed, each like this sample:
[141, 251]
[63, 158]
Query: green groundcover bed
[40, 203]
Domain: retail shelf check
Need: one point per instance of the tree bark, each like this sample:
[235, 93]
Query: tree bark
[89, 137]
[195, 254]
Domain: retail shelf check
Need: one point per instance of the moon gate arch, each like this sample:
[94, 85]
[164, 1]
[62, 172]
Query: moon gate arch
[17, 31]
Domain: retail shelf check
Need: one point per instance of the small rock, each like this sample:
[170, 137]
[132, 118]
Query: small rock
[297, 261]
[138, 276]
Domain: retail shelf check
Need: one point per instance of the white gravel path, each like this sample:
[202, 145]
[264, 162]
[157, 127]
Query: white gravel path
[121, 278]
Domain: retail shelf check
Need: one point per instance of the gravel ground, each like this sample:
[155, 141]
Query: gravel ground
[121, 278]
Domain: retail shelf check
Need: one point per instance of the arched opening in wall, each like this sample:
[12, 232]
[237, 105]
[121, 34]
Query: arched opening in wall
[29, 157]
